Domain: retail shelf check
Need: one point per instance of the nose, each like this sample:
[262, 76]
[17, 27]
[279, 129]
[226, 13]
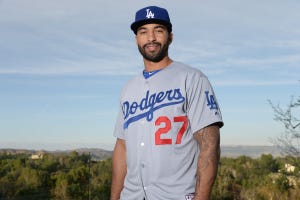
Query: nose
[151, 36]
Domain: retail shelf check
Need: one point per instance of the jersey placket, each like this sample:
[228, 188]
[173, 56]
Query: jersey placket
[144, 146]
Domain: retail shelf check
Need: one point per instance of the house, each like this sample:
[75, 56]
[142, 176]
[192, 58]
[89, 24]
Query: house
[37, 156]
[289, 168]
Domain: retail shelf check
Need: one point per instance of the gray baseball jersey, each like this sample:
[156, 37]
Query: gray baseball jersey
[158, 117]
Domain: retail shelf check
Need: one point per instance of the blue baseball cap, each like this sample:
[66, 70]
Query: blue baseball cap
[150, 15]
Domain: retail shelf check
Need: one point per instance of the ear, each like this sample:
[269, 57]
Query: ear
[170, 38]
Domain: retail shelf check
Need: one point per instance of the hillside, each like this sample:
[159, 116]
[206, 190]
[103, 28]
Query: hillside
[101, 154]
[251, 151]
[96, 154]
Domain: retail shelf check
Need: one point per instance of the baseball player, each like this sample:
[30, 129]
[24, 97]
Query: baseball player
[167, 129]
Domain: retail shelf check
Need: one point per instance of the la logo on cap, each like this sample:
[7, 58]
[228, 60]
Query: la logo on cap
[149, 14]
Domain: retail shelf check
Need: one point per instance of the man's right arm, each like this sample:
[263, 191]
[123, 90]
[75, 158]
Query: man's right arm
[119, 169]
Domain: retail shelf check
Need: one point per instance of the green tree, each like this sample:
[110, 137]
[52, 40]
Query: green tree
[267, 164]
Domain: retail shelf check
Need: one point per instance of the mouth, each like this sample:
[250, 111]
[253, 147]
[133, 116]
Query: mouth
[152, 46]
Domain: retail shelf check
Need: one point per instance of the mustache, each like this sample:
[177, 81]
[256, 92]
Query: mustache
[152, 43]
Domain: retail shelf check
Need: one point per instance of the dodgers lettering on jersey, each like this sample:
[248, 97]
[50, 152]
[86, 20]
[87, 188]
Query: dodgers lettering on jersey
[149, 104]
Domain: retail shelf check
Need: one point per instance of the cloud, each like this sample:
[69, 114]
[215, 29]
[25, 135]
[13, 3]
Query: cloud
[65, 37]
[72, 37]
[255, 82]
[57, 56]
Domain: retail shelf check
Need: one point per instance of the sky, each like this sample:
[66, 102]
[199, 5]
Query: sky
[63, 64]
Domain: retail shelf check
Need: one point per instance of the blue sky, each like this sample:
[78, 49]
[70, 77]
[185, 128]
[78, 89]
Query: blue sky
[63, 64]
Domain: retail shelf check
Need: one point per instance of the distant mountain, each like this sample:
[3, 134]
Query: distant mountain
[17, 151]
[101, 154]
[96, 154]
[251, 151]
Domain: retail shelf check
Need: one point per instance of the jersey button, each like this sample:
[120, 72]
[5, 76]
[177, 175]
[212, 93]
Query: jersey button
[142, 144]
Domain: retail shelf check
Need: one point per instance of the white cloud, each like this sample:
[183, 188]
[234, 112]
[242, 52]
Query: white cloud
[236, 43]
[254, 82]
[67, 36]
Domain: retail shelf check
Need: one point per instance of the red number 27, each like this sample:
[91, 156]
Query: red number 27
[167, 127]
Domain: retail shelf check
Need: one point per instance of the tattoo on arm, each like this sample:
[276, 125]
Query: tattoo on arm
[208, 139]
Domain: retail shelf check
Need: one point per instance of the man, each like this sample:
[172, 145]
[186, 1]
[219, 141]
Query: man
[168, 141]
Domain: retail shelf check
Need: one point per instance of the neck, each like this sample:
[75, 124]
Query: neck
[152, 66]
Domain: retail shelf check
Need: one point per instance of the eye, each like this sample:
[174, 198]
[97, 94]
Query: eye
[159, 30]
[141, 32]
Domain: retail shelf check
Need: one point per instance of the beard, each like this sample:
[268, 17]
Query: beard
[154, 56]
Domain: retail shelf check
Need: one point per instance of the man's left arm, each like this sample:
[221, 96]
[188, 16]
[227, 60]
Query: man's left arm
[208, 139]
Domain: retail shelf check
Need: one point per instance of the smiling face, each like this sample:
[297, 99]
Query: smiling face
[153, 41]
